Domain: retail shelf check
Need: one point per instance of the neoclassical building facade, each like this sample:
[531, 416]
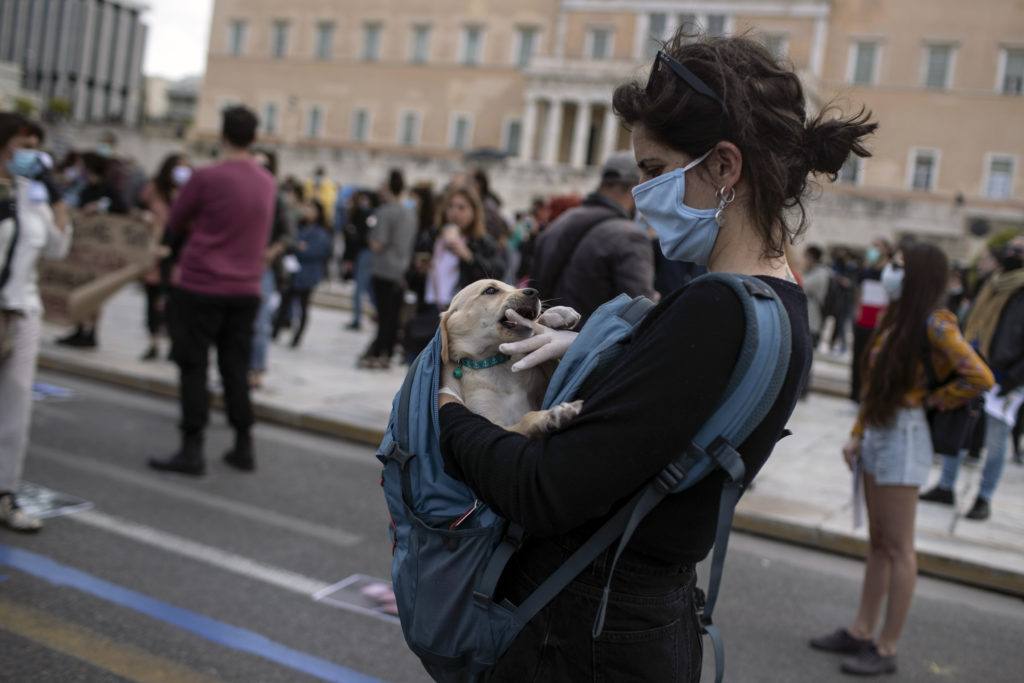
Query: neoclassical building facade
[531, 82]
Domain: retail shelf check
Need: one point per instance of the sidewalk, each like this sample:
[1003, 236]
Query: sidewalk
[802, 495]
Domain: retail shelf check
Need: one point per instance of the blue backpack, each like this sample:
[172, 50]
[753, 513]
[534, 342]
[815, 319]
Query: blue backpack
[450, 549]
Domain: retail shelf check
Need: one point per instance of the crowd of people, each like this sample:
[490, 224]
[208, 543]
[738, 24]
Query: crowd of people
[241, 254]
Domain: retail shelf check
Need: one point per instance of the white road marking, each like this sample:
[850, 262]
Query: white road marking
[140, 481]
[221, 559]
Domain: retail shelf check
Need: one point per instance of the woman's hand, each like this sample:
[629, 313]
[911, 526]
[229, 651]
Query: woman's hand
[545, 344]
[851, 451]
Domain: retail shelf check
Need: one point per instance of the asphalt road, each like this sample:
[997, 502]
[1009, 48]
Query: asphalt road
[168, 578]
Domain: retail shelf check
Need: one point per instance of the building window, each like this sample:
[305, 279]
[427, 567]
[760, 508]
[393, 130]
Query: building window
[1000, 177]
[236, 38]
[324, 39]
[420, 49]
[716, 25]
[371, 42]
[513, 137]
[315, 122]
[599, 43]
[938, 66]
[1012, 63]
[850, 173]
[472, 44]
[776, 44]
[279, 40]
[924, 170]
[526, 45]
[657, 27]
[361, 125]
[865, 63]
[409, 129]
[269, 118]
[460, 134]
[688, 22]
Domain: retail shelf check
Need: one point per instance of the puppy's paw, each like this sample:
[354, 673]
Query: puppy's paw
[562, 414]
[559, 318]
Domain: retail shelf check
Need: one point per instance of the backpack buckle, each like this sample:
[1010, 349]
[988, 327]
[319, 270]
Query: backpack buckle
[397, 454]
[669, 477]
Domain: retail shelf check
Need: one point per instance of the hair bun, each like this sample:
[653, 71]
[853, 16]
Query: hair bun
[830, 141]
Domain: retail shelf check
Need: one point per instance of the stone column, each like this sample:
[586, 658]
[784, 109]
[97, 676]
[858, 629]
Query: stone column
[526, 142]
[609, 133]
[580, 135]
[552, 132]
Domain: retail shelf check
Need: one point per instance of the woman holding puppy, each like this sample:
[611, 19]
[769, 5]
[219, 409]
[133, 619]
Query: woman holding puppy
[725, 148]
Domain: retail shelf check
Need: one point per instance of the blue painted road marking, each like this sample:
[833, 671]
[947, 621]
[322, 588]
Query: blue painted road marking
[211, 629]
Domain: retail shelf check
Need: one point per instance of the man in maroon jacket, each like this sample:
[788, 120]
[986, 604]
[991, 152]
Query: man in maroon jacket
[220, 224]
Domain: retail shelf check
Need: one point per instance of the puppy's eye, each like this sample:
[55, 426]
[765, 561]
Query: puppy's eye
[491, 290]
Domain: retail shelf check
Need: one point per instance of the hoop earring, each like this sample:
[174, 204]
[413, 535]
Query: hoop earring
[725, 198]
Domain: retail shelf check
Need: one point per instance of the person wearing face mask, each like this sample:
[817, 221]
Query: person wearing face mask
[156, 199]
[32, 226]
[995, 327]
[890, 446]
[725, 147]
[596, 251]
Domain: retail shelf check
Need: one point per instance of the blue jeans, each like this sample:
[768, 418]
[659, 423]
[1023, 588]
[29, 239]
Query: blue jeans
[362, 278]
[262, 326]
[997, 433]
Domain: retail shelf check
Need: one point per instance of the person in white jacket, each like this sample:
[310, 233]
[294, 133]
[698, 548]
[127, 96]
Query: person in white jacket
[33, 224]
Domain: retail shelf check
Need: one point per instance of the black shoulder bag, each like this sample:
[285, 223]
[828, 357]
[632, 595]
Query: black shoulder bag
[951, 429]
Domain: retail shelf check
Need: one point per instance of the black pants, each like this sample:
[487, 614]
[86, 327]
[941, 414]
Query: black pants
[198, 322]
[650, 630]
[861, 335]
[388, 297]
[154, 308]
[284, 312]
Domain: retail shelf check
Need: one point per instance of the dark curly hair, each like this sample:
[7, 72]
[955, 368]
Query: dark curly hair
[765, 119]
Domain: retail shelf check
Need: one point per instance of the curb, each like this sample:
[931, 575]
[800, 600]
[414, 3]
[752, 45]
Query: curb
[933, 564]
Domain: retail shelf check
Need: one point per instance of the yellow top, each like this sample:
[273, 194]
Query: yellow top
[949, 353]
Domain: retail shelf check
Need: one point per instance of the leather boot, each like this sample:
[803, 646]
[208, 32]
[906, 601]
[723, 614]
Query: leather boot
[188, 460]
[241, 457]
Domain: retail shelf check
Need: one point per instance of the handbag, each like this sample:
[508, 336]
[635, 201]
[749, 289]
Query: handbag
[8, 209]
[950, 429]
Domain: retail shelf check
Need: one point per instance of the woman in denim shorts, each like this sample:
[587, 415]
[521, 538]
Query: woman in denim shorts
[891, 442]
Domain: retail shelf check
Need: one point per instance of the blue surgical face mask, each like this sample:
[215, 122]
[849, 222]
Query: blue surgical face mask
[685, 233]
[873, 254]
[892, 281]
[25, 163]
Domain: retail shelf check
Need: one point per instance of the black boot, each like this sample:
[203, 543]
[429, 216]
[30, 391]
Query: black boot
[188, 460]
[980, 510]
[241, 457]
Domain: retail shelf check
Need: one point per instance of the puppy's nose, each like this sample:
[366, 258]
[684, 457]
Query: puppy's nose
[530, 292]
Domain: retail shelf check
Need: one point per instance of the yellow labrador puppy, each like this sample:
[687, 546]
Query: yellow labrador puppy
[475, 324]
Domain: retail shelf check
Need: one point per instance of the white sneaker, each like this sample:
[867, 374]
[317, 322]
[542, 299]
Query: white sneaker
[12, 516]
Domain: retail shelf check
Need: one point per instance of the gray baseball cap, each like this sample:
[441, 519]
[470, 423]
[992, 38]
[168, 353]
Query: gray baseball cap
[621, 167]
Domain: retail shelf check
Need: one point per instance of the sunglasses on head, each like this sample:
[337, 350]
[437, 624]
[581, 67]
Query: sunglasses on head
[691, 78]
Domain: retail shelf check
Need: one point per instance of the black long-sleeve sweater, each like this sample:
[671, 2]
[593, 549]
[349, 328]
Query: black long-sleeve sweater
[649, 406]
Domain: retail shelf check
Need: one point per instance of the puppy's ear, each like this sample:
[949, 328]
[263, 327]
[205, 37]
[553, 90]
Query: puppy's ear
[444, 337]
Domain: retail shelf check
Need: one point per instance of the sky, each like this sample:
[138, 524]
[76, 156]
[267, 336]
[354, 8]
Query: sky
[179, 32]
